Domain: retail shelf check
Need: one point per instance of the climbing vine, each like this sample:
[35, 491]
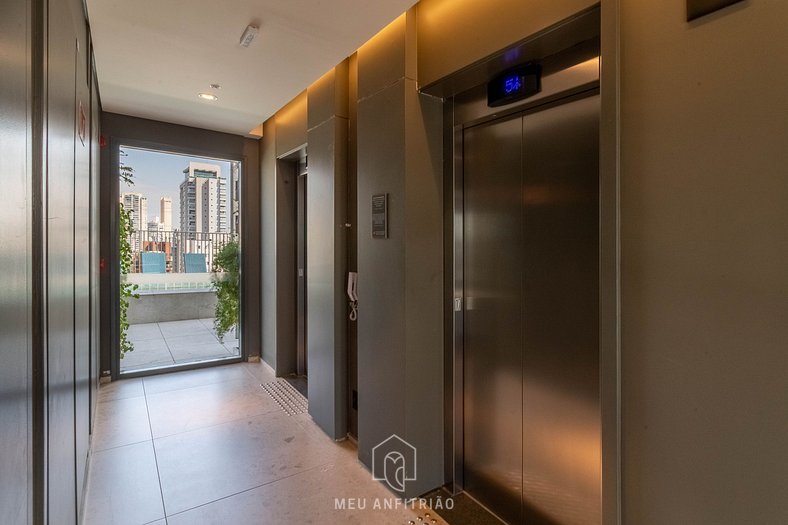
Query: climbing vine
[126, 256]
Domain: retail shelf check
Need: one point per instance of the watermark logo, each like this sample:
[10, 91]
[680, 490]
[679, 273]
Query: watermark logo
[394, 461]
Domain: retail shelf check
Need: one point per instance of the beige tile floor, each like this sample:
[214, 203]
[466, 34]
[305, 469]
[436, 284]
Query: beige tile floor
[210, 447]
[176, 343]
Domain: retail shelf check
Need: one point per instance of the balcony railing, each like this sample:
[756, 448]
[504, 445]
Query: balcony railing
[177, 247]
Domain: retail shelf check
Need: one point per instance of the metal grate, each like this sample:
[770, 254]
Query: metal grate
[290, 400]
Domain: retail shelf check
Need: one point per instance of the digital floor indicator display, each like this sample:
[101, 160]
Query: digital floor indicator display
[513, 85]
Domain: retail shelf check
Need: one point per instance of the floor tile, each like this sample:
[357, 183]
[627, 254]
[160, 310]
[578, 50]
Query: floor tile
[260, 371]
[193, 378]
[147, 354]
[121, 389]
[185, 341]
[144, 332]
[192, 408]
[233, 348]
[199, 352]
[181, 328]
[313, 496]
[120, 422]
[211, 463]
[123, 487]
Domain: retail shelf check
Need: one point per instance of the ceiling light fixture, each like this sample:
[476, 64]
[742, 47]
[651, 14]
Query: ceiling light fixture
[249, 35]
[208, 96]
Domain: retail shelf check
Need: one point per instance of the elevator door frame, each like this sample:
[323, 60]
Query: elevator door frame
[586, 90]
[302, 184]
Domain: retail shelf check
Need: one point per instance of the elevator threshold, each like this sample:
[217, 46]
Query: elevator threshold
[299, 383]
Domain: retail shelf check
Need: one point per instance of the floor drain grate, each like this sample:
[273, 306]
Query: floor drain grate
[290, 400]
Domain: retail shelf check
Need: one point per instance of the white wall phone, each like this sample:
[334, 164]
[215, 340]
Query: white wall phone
[352, 294]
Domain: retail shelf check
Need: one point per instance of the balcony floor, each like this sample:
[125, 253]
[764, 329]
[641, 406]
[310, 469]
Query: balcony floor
[159, 345]
[210, 446]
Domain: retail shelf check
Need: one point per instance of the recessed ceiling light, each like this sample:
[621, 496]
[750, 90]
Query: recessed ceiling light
[208, 96]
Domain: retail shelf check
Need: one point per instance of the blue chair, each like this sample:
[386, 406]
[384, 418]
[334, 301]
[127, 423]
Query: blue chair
[194, 263]
[153, 262]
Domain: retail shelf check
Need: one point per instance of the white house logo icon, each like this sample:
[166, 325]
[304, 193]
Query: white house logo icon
[394, 461]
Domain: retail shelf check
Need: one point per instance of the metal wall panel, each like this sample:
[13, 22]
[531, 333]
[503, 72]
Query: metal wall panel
[493, 342]
[381, 269]
[16, 262]
[400, 344]
[326, 270]
[326, 204]
[82, 266]
[95, 232]
[61, 123]
[268, 213]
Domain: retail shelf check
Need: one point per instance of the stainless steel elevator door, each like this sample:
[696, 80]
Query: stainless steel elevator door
[531, 377]
[493, 340]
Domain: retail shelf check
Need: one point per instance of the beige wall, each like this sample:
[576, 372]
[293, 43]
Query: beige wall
[704, 234]
[456, 33]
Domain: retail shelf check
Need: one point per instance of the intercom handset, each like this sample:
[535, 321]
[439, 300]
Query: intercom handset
[352, 294]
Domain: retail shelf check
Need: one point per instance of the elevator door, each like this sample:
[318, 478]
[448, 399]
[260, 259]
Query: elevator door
[531, 377]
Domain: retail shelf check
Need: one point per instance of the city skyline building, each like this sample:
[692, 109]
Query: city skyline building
[137, 204]
[165, 213]
[235, 197]
[203, 199]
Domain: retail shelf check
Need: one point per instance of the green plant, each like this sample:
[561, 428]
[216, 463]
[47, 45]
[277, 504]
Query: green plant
[127, 290]
[226, 283]
[126, 257]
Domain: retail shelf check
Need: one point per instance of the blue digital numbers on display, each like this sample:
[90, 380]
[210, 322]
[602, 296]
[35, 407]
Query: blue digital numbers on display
[512, 85]
[516, 84]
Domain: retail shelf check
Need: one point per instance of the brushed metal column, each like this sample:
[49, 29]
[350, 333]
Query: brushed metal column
[493, 341]
[561, 411]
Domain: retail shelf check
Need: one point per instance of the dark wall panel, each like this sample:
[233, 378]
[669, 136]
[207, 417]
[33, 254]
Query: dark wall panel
[95, 222]
[400, 338]
[62, 56]
[326, 251]
[15, 261]
[268, 181]
[82, 265]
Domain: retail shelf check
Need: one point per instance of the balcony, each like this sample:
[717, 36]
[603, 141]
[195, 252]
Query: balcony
[165, 344]
[171, 322]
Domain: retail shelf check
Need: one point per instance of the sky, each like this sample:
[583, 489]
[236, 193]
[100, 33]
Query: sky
[158, 174]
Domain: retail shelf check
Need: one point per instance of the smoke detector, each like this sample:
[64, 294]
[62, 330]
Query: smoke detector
[249, 35]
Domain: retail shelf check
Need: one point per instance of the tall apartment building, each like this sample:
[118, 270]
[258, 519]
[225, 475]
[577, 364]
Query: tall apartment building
[235, 197]
[203, 199]
[165, 213]
[138, 204]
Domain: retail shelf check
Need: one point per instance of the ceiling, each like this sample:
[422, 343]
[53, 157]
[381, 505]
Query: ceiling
[154, 56]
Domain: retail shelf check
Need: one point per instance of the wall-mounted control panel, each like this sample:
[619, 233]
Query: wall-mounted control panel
[380, 216]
